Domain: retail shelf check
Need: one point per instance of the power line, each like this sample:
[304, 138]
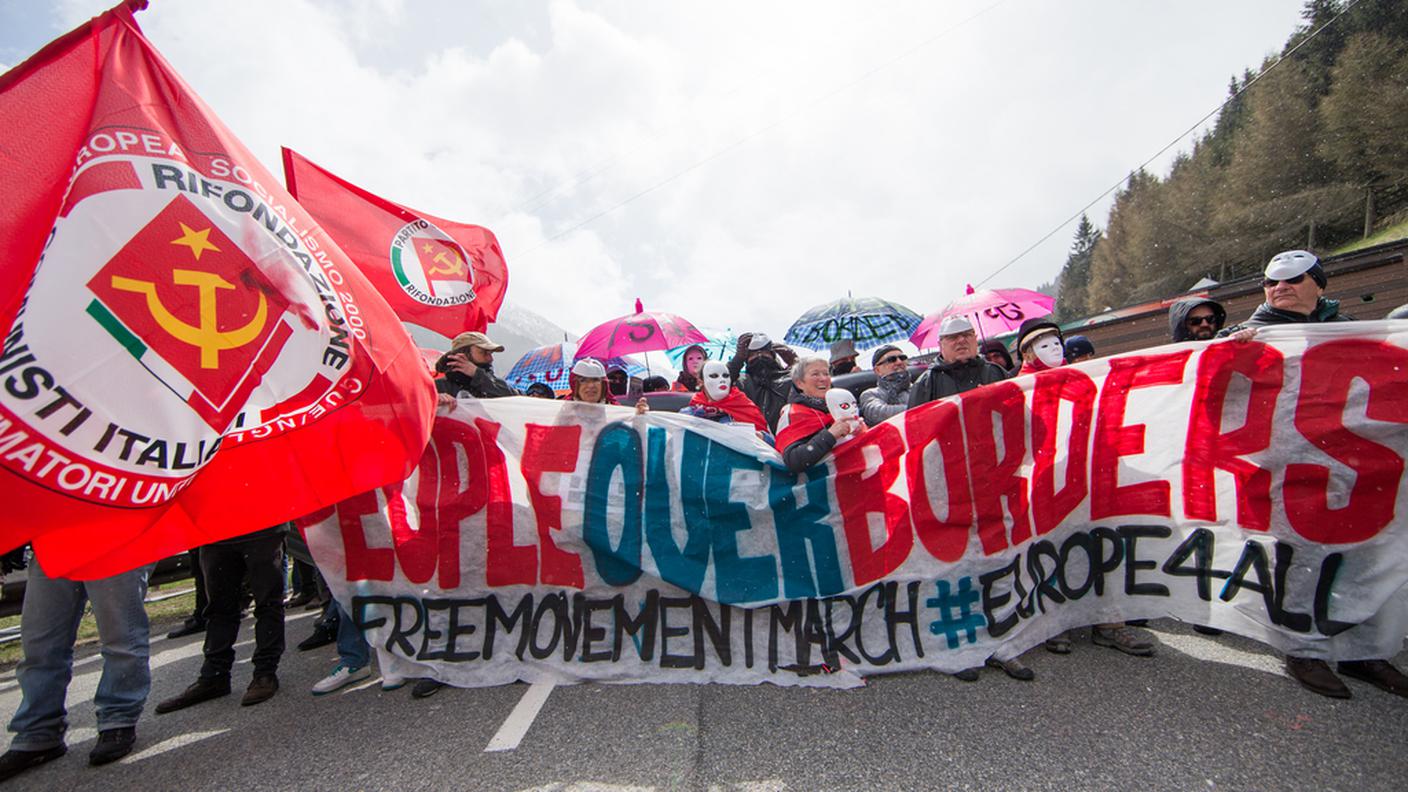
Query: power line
[768, 128]
[1234, 97]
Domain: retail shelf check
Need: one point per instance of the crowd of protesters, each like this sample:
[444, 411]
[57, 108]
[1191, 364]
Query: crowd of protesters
[765, 385]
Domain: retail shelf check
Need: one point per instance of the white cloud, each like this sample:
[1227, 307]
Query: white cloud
[882, 150]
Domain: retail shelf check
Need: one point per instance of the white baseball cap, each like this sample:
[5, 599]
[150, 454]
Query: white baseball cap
[590, 368]
[955, 325]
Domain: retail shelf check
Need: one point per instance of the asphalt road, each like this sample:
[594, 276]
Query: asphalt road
[1205, 713]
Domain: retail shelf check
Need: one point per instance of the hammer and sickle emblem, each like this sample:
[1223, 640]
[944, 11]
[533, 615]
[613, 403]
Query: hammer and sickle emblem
[206, 337]
[448, 263]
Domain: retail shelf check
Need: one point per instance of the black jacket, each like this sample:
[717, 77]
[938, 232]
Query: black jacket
[1178, 315]
[944, 379]
[770, 389]
[483, 385]
[1325, 311]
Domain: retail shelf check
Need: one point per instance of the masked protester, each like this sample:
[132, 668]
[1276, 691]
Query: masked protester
[540, 390]
[718, 400]
[692, 362]
[469, 369]
[1195, 319]
[757, 367]
[958, 369]
[806, 431]
[1040, 345]
[843, 357]
[890, 396]
[618, 382]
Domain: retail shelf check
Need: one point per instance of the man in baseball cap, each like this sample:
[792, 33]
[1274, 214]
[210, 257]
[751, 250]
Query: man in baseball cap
[469, 368]
[958, 369]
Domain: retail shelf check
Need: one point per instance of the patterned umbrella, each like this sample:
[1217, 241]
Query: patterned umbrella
[993, 312]
[642, 331]
[868, 321]
[719, 346]
[552, 363]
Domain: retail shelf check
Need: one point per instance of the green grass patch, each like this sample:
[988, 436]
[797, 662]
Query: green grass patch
[1391, 234]
[163, 615]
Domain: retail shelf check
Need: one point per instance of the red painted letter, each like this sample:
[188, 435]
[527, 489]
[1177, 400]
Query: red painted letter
[998, 476]
[1114, 440]
[1327, 371]
[551, 449]
[1208, 448]
[944, 537]
[858, 496]
[1050, 507]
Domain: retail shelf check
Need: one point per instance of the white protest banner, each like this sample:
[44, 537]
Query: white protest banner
[1252, 487]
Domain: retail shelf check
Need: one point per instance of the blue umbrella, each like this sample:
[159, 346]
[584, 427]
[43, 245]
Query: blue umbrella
[552, 363]
[720, 346]
[868, 321]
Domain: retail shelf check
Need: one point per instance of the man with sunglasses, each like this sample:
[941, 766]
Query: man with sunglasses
[1294, 286]
[890, 396]
[1195, 319]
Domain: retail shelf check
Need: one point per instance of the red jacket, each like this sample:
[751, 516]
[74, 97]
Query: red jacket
[799, 422]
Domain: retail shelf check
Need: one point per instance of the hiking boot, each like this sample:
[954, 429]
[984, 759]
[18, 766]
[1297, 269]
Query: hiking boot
[190, 626]
[1060, 644]
[1379, 673]
[967, 675]
[425, 688]
[1126, 639]
[1316, 676]
[203, 689]
[322, 636]
[341, 677]
[16, 761]
[1014, 668]
[261, 689]
[113, 744]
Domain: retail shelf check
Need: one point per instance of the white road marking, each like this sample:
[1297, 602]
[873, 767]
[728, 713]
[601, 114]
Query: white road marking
[172, 744]
[511, 733]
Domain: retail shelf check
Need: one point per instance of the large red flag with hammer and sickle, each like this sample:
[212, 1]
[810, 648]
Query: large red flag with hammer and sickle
[444, 276]
[187, 357]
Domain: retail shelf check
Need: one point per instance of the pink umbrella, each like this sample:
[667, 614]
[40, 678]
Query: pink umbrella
[992, 311]
[642, 331]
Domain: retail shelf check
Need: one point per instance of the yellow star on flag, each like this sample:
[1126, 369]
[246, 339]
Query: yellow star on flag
[197, 241]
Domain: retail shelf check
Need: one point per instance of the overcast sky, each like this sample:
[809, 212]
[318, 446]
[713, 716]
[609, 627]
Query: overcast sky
[787, 152]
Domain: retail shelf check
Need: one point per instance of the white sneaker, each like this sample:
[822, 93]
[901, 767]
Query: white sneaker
[340, 677]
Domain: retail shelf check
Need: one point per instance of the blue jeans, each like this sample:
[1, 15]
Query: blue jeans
[352, 646]
[49, 621]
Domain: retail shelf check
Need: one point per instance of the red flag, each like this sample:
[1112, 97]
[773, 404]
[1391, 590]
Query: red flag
[188, 357]
[444, 276]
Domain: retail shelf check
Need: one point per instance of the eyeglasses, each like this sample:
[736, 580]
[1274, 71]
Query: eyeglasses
[893, 359]
[1267, 283]
[1194, 321]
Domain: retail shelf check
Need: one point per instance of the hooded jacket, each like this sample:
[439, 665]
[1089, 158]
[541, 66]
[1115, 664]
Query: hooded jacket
[1178, 316]
[1325, 311]
[944, 379]
[993, 345]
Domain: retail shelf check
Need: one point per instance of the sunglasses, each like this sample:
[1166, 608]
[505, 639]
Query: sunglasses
[1194, 321]
[893, 359]
[1267, 283]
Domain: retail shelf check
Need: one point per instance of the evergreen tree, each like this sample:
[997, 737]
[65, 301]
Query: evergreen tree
[1365, 116]
[1074, 280]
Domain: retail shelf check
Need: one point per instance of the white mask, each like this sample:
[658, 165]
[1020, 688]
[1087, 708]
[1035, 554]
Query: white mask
[1049, 351]
[717, 384]
[841, 404]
